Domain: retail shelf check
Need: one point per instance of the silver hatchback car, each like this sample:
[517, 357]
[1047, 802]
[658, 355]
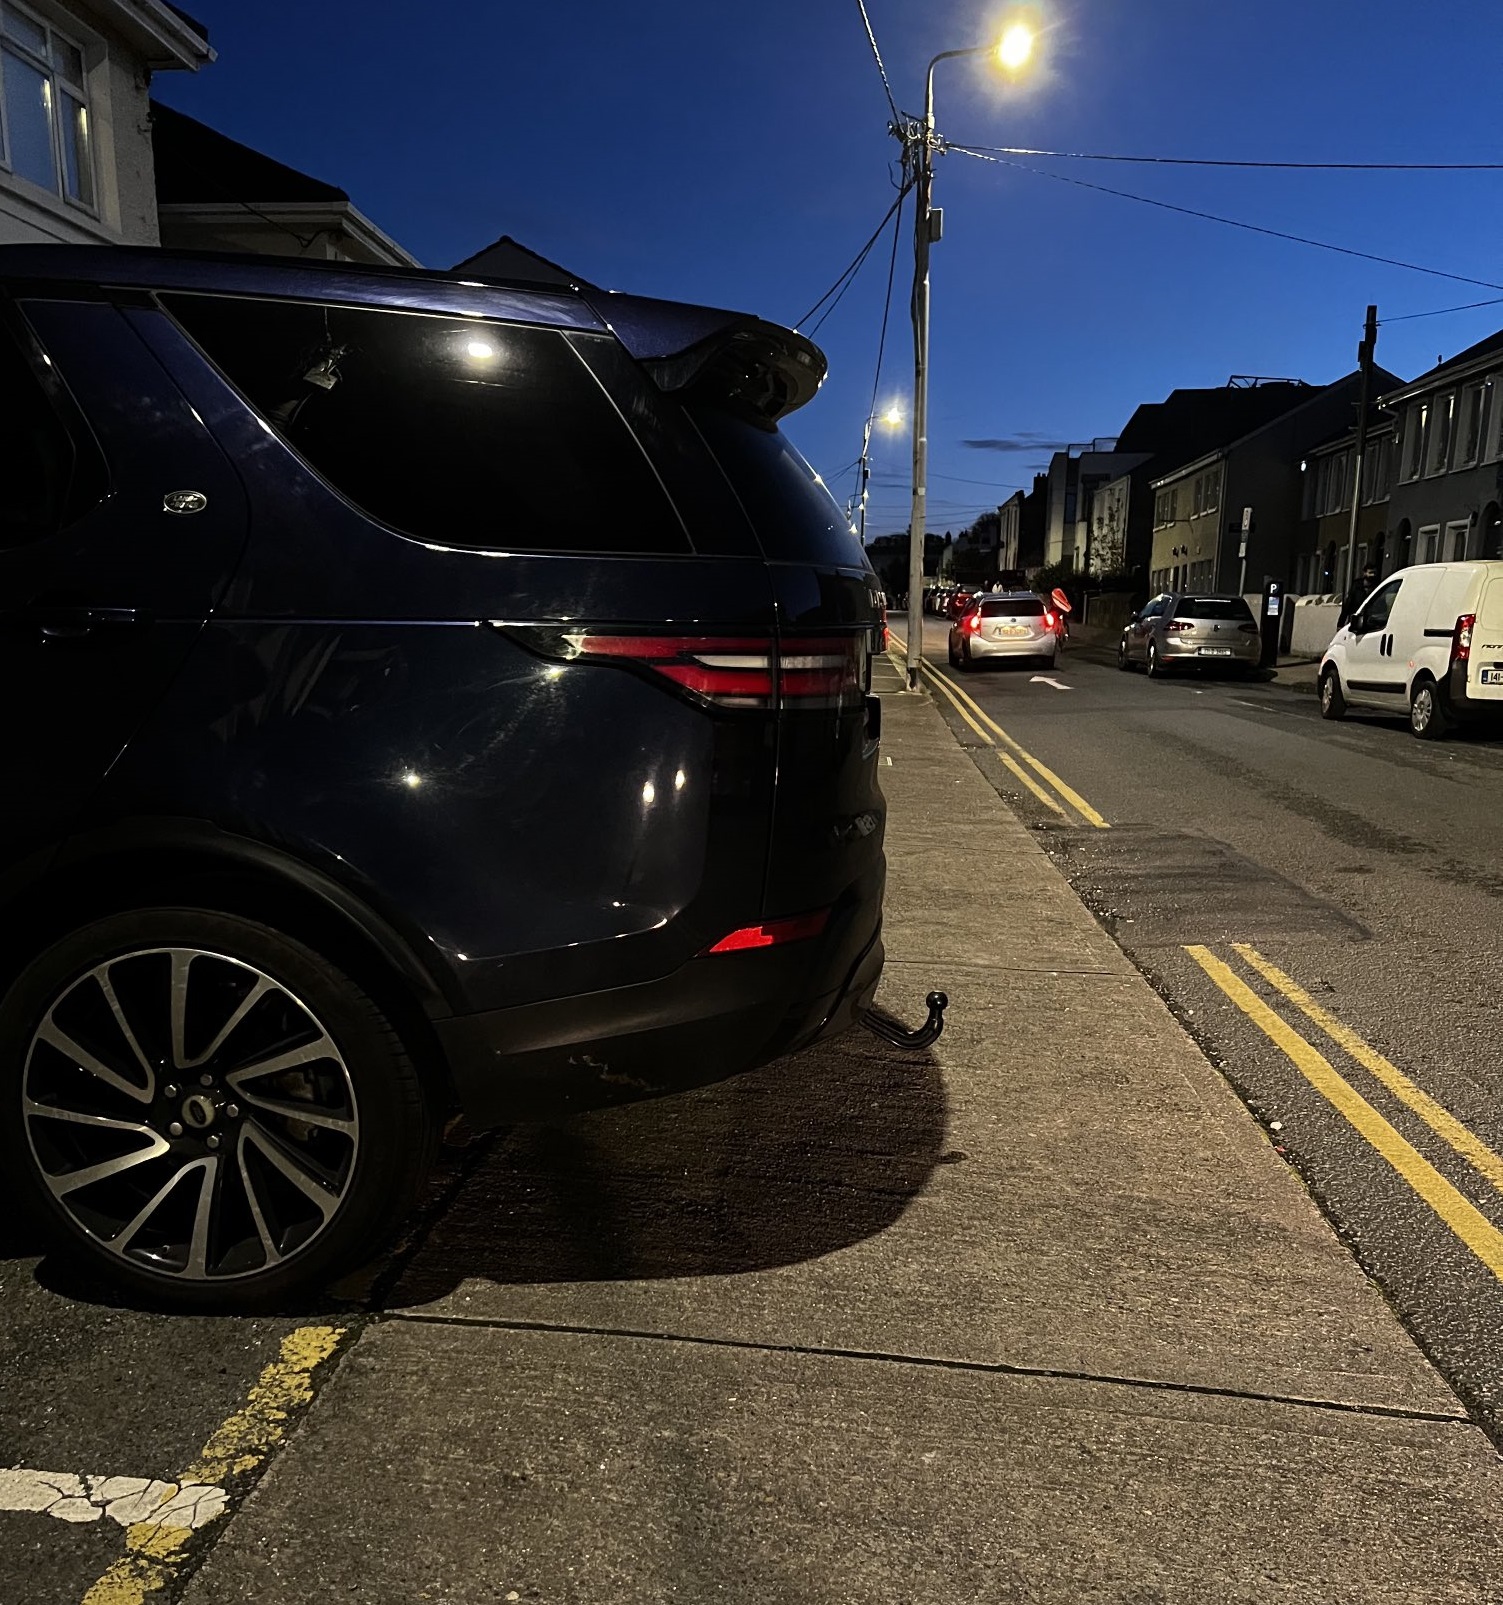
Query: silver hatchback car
[1177, 631]
[1005, 624]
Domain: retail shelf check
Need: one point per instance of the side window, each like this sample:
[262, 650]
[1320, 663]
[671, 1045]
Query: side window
[36, 452]
[1375, 613]
[451, 430]
[1154, 608]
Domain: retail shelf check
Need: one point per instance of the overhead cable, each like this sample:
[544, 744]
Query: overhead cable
[897, 116]
[1437, 312]
[1217, 161]
[1229, 222]
[843, 283]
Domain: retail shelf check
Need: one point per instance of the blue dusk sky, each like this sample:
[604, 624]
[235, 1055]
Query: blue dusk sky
[739, 156]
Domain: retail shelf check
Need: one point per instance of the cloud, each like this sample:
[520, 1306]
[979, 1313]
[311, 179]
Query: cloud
[1029, 440]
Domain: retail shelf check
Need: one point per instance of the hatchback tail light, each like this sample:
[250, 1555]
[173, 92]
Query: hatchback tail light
[1178, 626]
[1249, 628]
[1048, 619]
[730, 671]
[1461, 638]
[971, 623]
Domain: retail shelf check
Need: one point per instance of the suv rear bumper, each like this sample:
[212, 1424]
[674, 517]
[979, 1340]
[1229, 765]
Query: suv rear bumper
[713, 1018]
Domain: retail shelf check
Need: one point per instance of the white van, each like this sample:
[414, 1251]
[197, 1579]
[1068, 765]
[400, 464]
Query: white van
[1428, 641]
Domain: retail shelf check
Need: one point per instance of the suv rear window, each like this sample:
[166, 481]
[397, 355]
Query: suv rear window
[456, 431]
[794, 516]
[1213, 607]
[1017, 607]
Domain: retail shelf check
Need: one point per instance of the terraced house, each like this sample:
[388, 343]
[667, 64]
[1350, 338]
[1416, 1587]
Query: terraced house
[1447, 496]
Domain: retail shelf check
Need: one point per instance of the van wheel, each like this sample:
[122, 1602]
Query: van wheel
[1427, 718]
[206, 1110]
[1332, 702]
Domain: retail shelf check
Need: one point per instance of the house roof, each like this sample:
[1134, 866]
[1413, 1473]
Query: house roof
[1379, 422]
[1491, 345]
[1188, 423]
[196, 163]
[506, 258]
[1304, 396]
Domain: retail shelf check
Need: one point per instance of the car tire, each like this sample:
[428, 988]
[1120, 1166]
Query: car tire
[1332, 699]
[965, 665]
[1156, 669]
[1122, 661]
[249, 1187]
[953, 655]
[1427, 715]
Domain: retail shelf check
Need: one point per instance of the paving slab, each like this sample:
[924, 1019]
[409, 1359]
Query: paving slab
[453, 1463]
[1036, 1315]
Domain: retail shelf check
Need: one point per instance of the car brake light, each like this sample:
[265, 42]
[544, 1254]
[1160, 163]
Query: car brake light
[1048, 619]
[772, 934]
[1461, 640]
[1249, 628]
[1175, 626]
[736, 671]
[971, 623]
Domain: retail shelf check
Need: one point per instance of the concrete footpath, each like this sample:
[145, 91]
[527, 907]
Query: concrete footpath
[1039, 1315]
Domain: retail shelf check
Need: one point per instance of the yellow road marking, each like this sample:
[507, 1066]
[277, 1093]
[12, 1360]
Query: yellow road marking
[1436, 1116]
[154, 1552]
[1459, 1214]
[967, 706]
[1028, 780]
[1072, 797]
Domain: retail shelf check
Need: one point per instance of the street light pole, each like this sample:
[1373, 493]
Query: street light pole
[1014, 49]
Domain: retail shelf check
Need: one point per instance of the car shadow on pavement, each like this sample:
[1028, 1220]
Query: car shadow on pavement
[808, 1155]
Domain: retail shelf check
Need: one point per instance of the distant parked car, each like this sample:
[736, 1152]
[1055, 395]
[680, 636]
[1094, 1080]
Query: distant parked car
[1177, 632]
[1013, 624]
[1428, 640]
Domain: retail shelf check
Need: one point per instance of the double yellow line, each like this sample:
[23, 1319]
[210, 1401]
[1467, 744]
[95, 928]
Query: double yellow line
[1458, 1213]
[1011, 751]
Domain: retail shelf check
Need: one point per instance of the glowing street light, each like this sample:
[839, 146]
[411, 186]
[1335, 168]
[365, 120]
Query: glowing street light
[892, 417]
[1012, 51]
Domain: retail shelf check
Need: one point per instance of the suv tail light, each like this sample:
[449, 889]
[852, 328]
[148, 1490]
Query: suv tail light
[1177, 626]
[730, 671]
[1461, 639]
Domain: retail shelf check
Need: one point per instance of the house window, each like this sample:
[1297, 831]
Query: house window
[1494, 388]
[1416, 427]
[1377, 470]
[1455, 547]
[46, 110]
[1439, 453]
[1213, 490]
[1429, 543]
[1469, 437]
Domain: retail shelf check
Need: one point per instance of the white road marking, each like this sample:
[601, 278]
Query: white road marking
[126, 1500]
[1047, 681]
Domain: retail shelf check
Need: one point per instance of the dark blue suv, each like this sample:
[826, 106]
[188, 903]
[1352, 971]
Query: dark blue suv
[418, 690]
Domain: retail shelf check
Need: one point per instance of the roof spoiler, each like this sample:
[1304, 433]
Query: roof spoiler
[729, 357]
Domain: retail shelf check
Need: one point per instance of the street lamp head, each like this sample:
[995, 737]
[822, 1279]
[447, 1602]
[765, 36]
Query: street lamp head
[893, 416]
[1016, 46]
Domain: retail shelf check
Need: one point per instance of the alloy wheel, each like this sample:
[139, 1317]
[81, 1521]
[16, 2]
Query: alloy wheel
[190, 1114]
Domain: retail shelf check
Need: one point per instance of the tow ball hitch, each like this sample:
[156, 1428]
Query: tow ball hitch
[890, 1031]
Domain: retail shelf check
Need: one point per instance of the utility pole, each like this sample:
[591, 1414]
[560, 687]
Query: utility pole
[924, 232]
[1365, 357]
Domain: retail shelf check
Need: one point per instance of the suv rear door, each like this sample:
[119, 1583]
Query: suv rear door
[102, 591]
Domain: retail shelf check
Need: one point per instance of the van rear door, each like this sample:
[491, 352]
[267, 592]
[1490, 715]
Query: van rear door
[1485, 665]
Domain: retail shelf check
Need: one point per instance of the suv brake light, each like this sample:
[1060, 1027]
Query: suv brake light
[1461, 639]
[732, 671]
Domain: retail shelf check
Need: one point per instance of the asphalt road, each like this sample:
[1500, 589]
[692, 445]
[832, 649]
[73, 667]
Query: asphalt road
[1340, 882]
